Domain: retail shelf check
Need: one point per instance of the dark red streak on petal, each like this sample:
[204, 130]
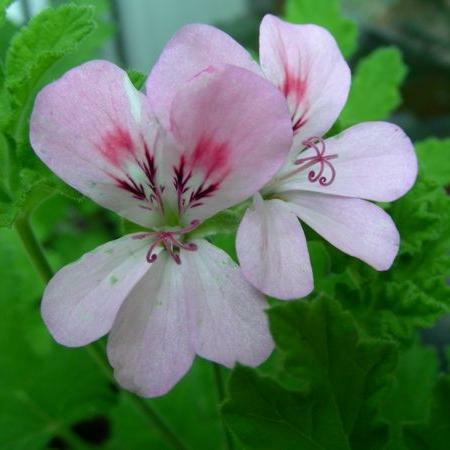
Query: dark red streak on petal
[295, 88]
[181, 178]
[210, 161]
[129, 185]
[201, 193]
[150, 191]
[298, 123]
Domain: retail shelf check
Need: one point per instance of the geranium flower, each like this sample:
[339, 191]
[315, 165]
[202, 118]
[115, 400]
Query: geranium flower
[162, 297]
[323, 181]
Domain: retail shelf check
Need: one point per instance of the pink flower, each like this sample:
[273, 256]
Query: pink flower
[162, 297]
[324, 180]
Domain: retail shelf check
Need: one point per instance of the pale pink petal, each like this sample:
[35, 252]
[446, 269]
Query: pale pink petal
[92, 128]
[228, 320]
[357, 227]
[149, 345]
[235, 131]
[372, 160]
[191, 50]
[81, 301]
[272, 251]
[305, 63]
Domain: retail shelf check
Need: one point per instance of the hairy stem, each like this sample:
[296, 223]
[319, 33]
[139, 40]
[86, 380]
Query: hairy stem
[33, 249]
[40, 263]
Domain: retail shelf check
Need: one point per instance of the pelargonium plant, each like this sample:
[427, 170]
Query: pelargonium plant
[213, 130]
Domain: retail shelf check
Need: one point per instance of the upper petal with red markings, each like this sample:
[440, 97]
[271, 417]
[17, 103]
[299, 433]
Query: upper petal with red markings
[95, 131]
[235, 133]
[191, 50]
[305, 63]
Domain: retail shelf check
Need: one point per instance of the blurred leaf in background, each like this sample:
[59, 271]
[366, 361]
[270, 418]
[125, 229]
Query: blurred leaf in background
[375, 89]
[327, 14]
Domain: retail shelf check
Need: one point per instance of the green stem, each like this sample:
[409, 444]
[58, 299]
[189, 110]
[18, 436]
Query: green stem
[96, 351]
[40, 263]
[33, 249]
[156, 420]
[60, 428]
[220, 386]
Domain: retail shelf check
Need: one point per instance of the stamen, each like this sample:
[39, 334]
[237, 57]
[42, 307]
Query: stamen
[318, 158]
[170, 241]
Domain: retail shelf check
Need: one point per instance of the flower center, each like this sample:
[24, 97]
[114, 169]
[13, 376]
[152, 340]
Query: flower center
[318, 144]
[194, 178]
[170, 240]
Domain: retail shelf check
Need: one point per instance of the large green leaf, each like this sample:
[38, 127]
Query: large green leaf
[266, 416]
[327, 14]
[375, 90]
[190, 410]
[30, 62]
[434, 432]
[414, 292]
[331, 396]
[47, 37]
[409, 401]
[44, 388]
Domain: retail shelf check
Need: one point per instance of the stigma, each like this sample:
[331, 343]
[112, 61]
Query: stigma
[318, 144]
[171, 241]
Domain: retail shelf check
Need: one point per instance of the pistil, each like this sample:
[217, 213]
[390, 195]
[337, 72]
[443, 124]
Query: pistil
[170, 240]
[318, 144]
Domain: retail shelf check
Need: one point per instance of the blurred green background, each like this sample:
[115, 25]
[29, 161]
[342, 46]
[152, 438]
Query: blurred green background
[54, 398]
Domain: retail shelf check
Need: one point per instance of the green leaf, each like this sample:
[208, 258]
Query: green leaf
[375, 90]
[190, 409]
[260, 411]
[5, 102]
[435, 434]
[415, 289]
[409, 401]
[36, 48]
[46, 38]
[44, 388]
[7, 31]
[331, 397]
[137, 78]
[413, 293]
[226, 242]
[51, 43]
[225, 222]
[327, 14]
[31, 188]
[434, 160]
